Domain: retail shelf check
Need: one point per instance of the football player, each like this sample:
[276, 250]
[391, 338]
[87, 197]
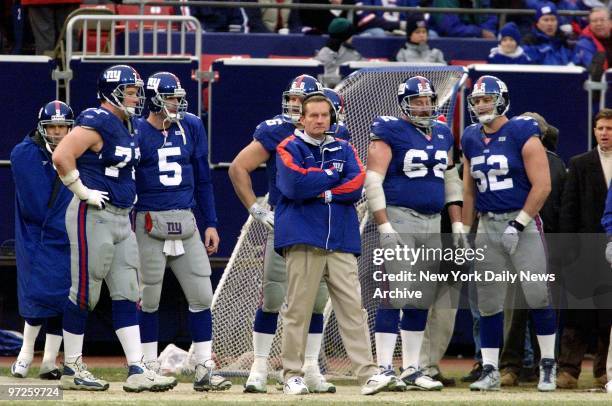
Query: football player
[96, 161]
[41, 242]
[507, 180]
[173, 177]
[262, 149]
[409, 179]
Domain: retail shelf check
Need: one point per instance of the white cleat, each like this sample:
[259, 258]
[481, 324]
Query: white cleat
[20, 368]
[548, 375]
[154, 366]
[415, 380]
[489, 380]
[49, 372]
[383, 380]
[295, 386]
[609, 387]
[256, 383]
[206, 381]
[77, 377]
[140, 378]
[316, 382]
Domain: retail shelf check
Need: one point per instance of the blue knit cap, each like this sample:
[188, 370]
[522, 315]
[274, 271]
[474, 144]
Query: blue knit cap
[546, 8]
[510, 30]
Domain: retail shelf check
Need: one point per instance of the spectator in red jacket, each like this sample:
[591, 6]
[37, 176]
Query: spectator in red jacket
[47, 18]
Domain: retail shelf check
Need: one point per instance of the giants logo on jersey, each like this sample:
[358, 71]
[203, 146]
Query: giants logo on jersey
[112, 75]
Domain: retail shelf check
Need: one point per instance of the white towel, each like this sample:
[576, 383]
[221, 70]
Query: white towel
[173, 248]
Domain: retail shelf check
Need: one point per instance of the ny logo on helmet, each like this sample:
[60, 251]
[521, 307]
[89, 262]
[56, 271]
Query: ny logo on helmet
[153, 83]
[112, 75]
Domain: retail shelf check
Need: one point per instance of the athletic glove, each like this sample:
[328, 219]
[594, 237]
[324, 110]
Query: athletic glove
[93, 197]
[460, 234]
[609, 252]
[510, 238]
[263, 215]
[388, 236]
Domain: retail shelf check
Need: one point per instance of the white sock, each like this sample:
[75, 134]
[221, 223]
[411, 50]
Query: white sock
[385, 347]
[30, 333]
[313, 348]
[262, 343]
[149, 351]
[490, 356]
[73, 346]
[411, 347]
[202, 351]
[547, 346]
[129, 337]
[52, 346]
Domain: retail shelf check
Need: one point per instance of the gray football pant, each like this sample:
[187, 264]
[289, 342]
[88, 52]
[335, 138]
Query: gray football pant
[530, 255]
[192, 270]
[275, 282]
[102, 247]
[417, 231]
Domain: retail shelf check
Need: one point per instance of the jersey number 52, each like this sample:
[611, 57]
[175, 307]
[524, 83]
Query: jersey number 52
[494, 183]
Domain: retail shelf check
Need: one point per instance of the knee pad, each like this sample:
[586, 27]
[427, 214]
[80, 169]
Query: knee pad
[149, 298]
[204, 295]
[536, 296]
[273, 296]
[321, 299]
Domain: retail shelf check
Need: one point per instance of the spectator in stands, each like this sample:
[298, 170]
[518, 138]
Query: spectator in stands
[47, 18]
[339, 49]
[593, 50]
[416, 48]
[545, 44]
[464, 25]
[509, 51]
[569, 25]
[216, 19]
[317, 21]
[281, 20]
[379, 23]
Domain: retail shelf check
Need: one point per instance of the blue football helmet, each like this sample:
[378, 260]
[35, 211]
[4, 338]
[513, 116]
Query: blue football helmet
[56, 113]
[160, 87]
[489, 86]
[301, 86]
[418, 86]
[112, 84]
[337, 102]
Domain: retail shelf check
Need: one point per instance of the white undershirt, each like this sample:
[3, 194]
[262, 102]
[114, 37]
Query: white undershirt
[606, 164]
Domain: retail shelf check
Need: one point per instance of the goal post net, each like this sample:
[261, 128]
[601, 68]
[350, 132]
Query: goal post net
[367, 93]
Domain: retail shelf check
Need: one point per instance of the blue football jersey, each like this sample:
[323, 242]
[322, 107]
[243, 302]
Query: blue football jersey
[497, 167]
[112, 169]
[173, 172]
[270, 133]
[415, 176]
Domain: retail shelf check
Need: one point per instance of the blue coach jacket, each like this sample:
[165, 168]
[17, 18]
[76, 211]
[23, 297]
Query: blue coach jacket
[41, 242]
[319, 184]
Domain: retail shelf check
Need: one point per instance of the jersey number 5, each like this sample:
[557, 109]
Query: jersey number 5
[175, 178]
[492, 174]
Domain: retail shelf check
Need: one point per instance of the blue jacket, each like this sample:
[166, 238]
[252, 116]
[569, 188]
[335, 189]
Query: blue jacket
[308, 175]
[518, 57]
[545, 50]
[365, 19]
[606, 221]
[586, 48]
[41, 242]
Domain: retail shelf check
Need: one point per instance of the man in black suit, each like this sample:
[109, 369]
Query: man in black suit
[582, 207]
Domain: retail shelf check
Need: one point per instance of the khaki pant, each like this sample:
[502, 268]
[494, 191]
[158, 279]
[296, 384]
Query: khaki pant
[306, 265]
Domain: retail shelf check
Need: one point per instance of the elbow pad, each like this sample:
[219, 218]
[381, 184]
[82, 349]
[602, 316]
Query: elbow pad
[374, 191]
[453, 186]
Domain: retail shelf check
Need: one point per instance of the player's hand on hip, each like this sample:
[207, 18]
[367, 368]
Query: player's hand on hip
[609, 252]
[389, 237]
[510, 239]
[97, 198]
[211, 240]
[460, 235]
[263, 215]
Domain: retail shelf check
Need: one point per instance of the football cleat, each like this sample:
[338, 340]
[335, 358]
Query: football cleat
[140, 378]
[316, 382]
[20, 368]
[548, 375]
[205, 380]
[49, 372]
[76, 377]
[383, 380]
[489, 380]
[416, 380]
[295, 386]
